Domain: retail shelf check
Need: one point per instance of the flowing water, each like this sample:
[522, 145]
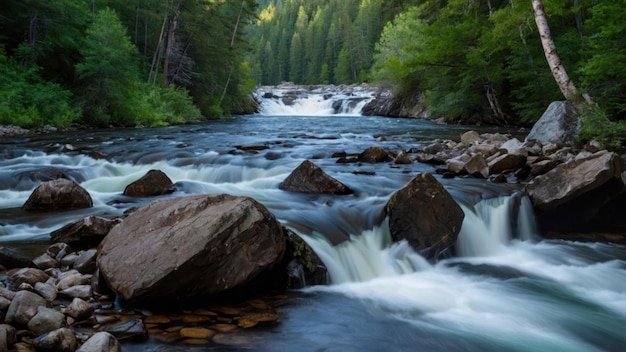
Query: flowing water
[505, 289]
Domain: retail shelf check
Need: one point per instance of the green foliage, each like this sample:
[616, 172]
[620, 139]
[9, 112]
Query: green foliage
[604, 71]
[342, 70]
[105, 50]
[156, 106]
[27, 100]
[597, 125]
[109, 71]
[399, 42]
[483, 61]
[306, 41]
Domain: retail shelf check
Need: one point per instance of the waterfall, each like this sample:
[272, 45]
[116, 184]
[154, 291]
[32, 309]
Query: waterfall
[488, 228]
[289, 100]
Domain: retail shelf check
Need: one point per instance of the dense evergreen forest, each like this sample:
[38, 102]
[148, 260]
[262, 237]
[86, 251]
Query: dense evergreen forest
[473, 60]
[122, 63]
[156, 62]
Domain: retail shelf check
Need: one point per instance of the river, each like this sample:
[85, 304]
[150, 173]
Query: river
[507, 289]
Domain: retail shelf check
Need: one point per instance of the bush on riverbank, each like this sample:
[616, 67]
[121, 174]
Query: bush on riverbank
[28, 101]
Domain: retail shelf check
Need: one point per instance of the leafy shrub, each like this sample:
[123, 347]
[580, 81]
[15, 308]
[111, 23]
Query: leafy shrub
[28, 101]
[597, 125]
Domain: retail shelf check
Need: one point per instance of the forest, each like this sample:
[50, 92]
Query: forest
[474, 61]
[158, 62]
[123, 63]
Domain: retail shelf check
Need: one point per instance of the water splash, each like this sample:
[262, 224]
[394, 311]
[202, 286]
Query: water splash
[488, 229]
[491, 224]
[366, 256]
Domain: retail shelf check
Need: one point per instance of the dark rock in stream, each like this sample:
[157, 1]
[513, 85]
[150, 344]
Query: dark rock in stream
[310, 178]
[9, 258]
[424, 214]
[85, 232]
[190, 247]
[374, 154]
[57, 195]
[153, 183]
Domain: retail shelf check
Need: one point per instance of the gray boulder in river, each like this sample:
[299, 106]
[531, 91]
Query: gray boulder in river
[190, 247]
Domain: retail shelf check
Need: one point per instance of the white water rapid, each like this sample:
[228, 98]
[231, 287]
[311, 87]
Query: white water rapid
[290, 100]
[505, 291]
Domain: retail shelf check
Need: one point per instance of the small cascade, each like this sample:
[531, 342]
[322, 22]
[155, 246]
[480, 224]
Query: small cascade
[290, 100]
[488, 229]
[367, 256]
[490, 226]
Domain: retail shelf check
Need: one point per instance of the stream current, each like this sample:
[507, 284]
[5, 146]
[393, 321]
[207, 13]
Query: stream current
[506, 289]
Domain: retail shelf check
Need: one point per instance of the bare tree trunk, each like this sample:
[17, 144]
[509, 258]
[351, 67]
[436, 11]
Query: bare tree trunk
[232, 42]
[156, 58]
[558, 71]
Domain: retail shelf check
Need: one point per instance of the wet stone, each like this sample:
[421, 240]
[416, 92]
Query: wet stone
[196, 319]
[133, 328]
[250, 320]
[223, 327]
[197, 333]
[157, 319]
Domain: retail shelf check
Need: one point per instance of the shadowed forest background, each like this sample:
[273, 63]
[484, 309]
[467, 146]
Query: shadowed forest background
[155, 62]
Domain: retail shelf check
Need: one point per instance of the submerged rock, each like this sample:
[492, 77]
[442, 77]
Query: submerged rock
[187, 247]
[310, 178]
[424, 214]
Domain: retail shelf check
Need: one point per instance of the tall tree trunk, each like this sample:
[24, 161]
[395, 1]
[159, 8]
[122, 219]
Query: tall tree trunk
[558, 71]
[232, 42]
[156, 57]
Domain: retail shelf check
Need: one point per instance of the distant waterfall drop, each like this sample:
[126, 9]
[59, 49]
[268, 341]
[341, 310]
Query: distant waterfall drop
[291, 100]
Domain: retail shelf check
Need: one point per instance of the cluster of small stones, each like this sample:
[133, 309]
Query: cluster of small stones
[9, 130]
[56, 302]
[497, 157]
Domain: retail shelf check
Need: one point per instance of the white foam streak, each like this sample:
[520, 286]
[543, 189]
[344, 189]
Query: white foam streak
[366, 256]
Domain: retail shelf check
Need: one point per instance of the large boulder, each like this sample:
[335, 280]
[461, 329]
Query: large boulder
[153, 183]
[58, 194]
[310, 178]
[559, 124]
[425, 214]
[569, 196]
[190, 247]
